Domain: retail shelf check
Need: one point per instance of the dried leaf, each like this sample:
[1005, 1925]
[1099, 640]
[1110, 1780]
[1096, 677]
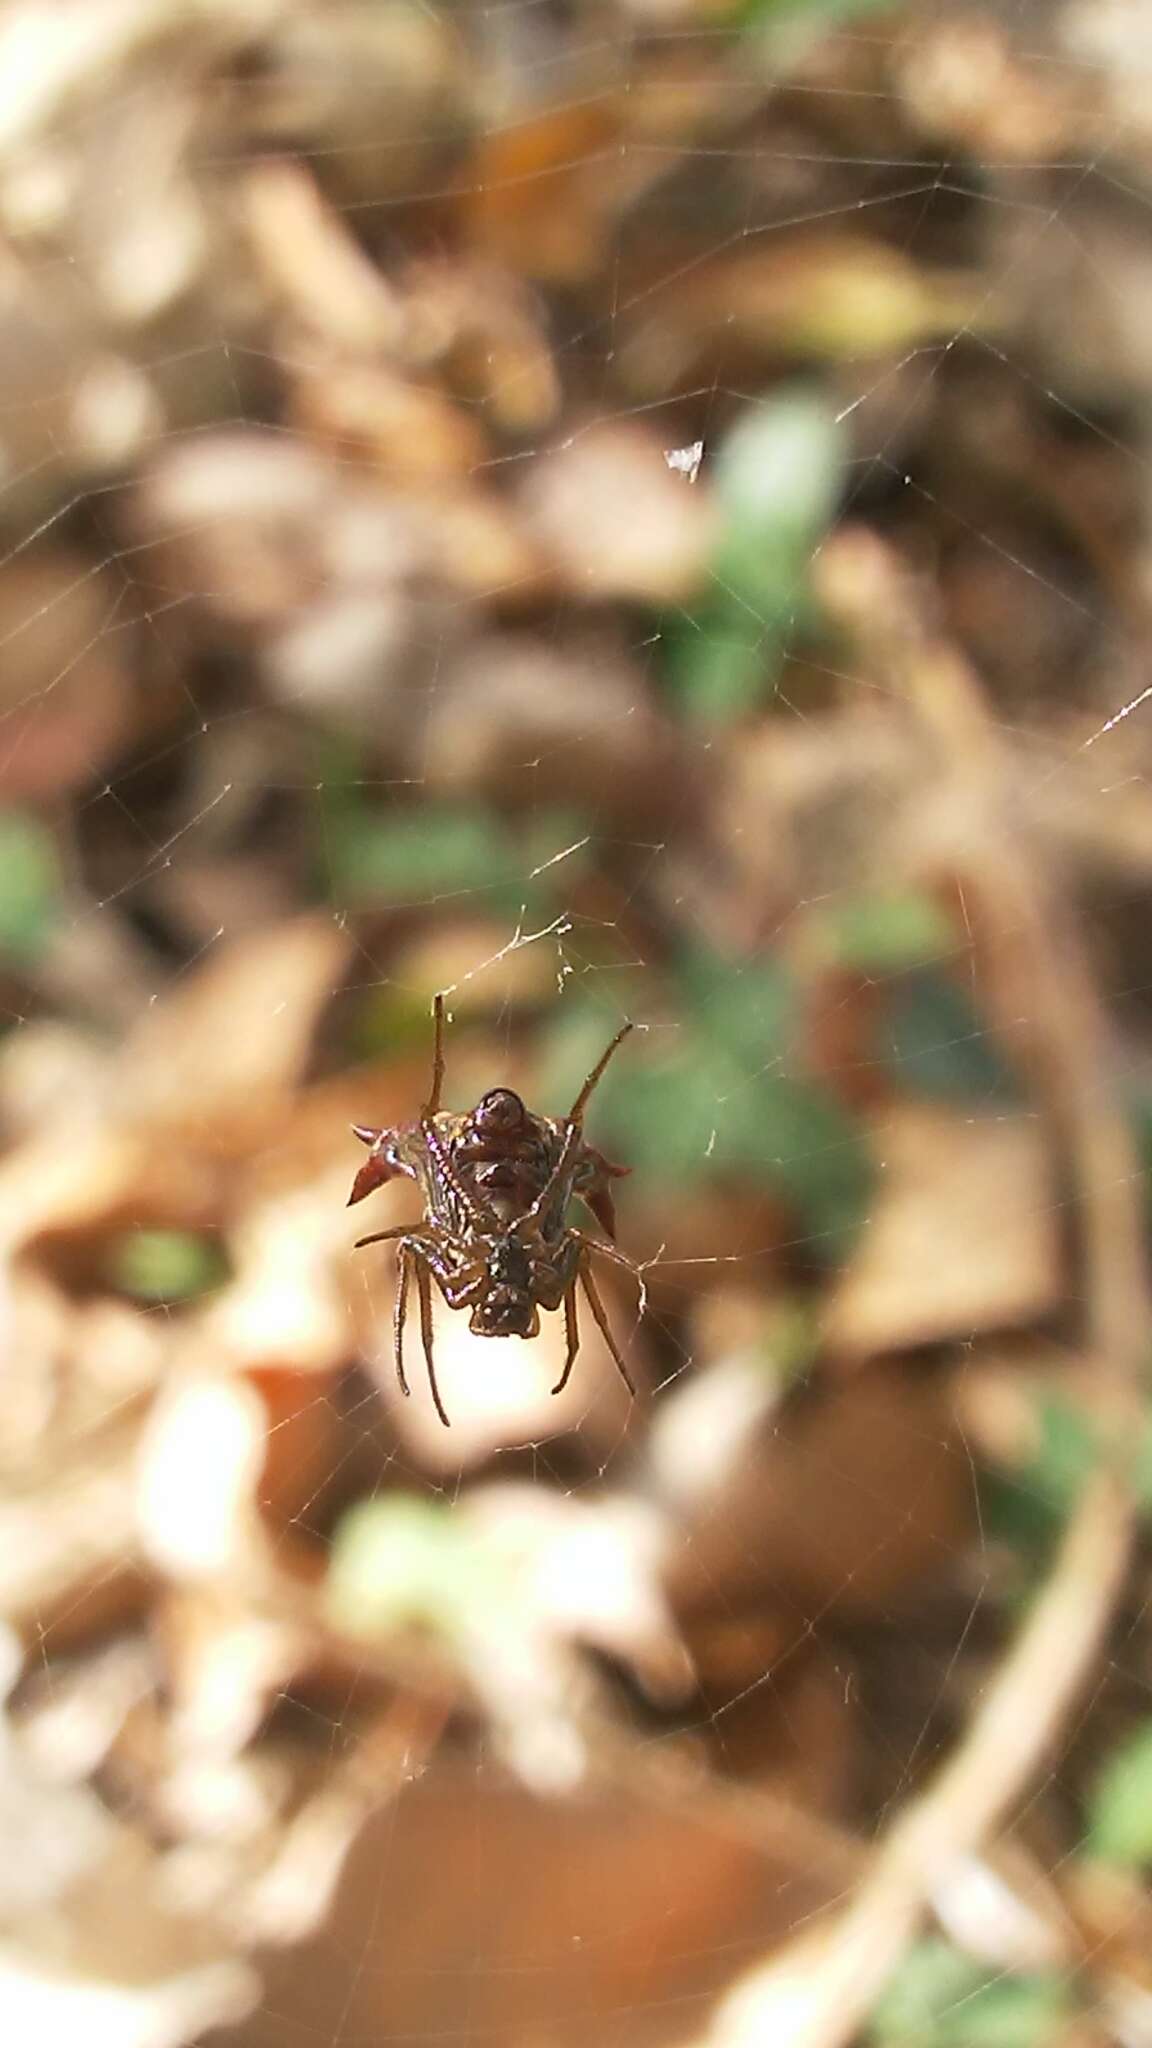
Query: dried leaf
[65, 693]
[961, 1238]
[617, 520]
[235, 1037]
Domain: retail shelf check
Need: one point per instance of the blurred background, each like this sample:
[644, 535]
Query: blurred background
[605, 509]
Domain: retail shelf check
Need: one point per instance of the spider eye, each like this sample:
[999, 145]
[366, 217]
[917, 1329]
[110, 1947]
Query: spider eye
[500, 1110]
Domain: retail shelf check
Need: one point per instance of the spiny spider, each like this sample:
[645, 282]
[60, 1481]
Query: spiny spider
[496, 1184]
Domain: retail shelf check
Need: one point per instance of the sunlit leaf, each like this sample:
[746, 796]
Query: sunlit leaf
[790, 1341]
[406, 1563]
[716, 1099]
[1142, 1476]
[29, 885]
[390, 1020]
[814, 16]
[933, 1977]
[1120, 1812]
[1029, 1507]
[165, 1265]
[401, 857]
[885, 932]
[777, 479]
[942, 1998]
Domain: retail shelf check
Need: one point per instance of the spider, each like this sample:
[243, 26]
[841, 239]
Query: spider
[496, 1184]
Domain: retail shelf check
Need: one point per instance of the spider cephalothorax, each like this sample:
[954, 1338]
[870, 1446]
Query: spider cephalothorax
[496, 1183]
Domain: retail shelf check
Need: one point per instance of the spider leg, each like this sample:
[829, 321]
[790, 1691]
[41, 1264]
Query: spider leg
[576, 1112]
[600, 1313]
[381, 1236]
[574, 1131]
[399, 1314]
[474, 1202]
[617, 1258]
[433, 1102]
[424, 1290]
[572, 1333]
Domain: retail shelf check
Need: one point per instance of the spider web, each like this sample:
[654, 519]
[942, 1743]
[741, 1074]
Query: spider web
[508, 501]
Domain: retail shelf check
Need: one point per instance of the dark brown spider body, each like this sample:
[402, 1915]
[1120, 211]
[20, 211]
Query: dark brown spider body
[503, 1152]
[496, 1184]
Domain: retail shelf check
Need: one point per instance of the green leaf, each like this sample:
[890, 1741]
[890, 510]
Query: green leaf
[937, 1044]
[814, 17]
[29, 885]
[726, 665]
[697, 1112]
[1067, 1452]
[790, 1341]
[886, 932]
[748, 1008]
[719, 1100]
[1029, 1507]
[1141, 1113]
[942, 1998]
[389, 1020]
[1120, 1811]
[933, 1977]
[397, 857]
[402, 857]
[1013, 2013]
[1142, 1476]
[787, 1132]
[165, 1265]
[777, 478]
[406, 1563]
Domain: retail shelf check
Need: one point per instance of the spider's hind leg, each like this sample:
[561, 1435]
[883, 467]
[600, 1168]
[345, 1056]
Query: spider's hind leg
[616, 1258]
[424, 1290]
[381, 1236]
[400, 1312]
[601, 1315]
[572, 1333]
